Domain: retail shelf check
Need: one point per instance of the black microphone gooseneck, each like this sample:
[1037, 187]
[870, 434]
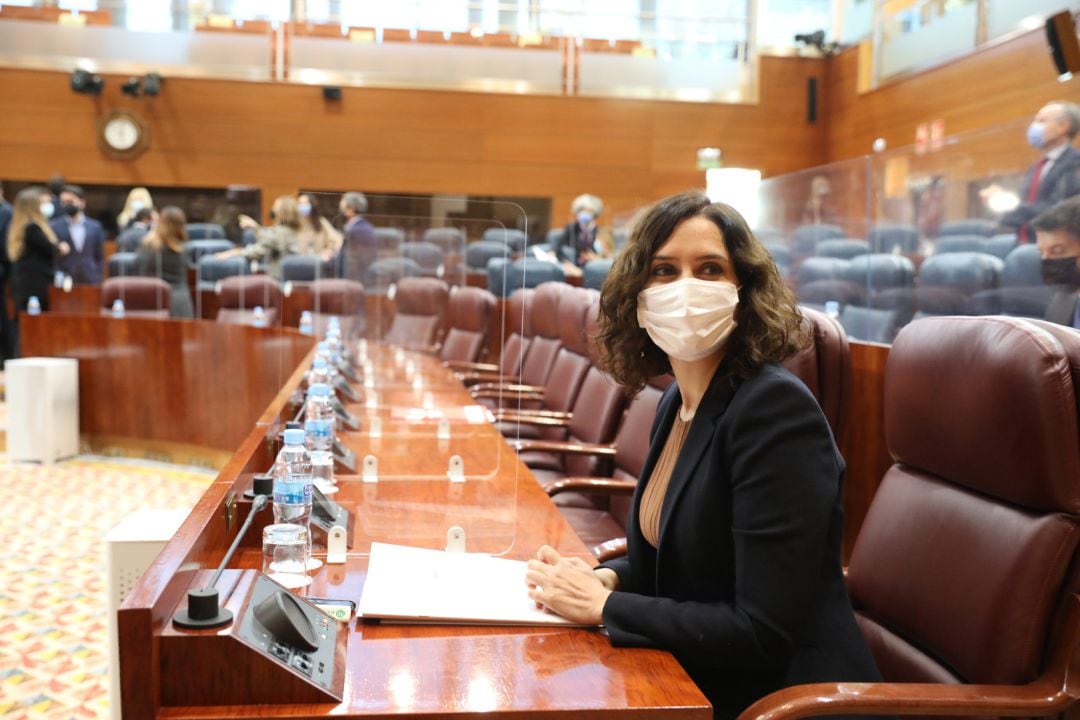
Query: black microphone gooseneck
[204, 608]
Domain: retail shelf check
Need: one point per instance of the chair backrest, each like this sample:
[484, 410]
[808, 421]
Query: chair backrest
[632, 440]
[822, 291]
[239, 295]
[595, 273]
[572, 361]
[1023, 267]
[468, 318]
[969, 547]
[960, 243]
[973, 226]
[531, 272]
[478, 253]
[1000, 245]
[205, 231]
[519, 321]
[880, 271]
[498, 270]
[450, 239]
[968, 272]
[419, 312]
[303, 269]
[380, 275]
[121, 264]
[341, 299]
[544, 323]
[142, 296]
[130, 239]
[211, 270]
[508, 237]
[870, 324]
[1023, 301]
[844, 248]
[389, 238]
[195, 249]
[427, 255]
[822, 268]
[889, 238]
[781, 253]
[806, 237]
[824, 365]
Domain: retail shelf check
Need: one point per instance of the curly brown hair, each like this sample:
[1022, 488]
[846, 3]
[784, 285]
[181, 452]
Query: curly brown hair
[769, 324]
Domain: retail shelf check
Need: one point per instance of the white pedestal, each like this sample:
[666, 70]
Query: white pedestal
[130, 547]
[43, 409]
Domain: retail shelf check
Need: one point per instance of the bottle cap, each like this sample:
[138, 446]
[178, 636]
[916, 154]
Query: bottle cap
[323, 345]
[319, 364]
[319, 389]
[294, 425]
[294, 436]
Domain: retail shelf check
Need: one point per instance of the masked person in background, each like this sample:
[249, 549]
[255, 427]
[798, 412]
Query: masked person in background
[1058, 236]
[1055, 176]
[83, 236]
[583, 239]
[733, 560]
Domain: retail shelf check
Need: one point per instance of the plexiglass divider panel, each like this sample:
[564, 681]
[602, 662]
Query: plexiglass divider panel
[416, 413]
[933, 229]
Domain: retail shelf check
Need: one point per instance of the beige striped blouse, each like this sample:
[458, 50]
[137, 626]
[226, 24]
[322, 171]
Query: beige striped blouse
[652, 500]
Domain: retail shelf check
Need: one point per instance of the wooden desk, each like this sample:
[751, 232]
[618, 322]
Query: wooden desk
[393, 670]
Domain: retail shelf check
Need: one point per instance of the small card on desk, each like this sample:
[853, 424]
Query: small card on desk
[407, 584]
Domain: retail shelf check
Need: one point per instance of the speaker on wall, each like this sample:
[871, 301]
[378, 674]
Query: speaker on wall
[811, 100]
[1064, 46]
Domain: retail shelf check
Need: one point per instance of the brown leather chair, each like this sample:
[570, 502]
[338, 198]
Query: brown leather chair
[543, 346]
[593, 420]
[419, 313]
[559, 392]
[142, 296]
[512, 353]
[469, 316]
[238, 296]
[965, 572]
[343, 299]
[824, 365]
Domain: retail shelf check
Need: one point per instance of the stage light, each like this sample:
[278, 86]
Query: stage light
[131, 87]
[85, 82]
[151, 84]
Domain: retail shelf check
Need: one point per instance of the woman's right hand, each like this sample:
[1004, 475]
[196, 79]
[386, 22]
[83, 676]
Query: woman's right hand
[64, 248]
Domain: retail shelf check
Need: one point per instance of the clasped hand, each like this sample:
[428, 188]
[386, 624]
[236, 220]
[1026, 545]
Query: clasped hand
[568, 586]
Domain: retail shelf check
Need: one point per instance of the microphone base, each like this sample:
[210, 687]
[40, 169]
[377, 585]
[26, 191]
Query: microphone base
[183, 620]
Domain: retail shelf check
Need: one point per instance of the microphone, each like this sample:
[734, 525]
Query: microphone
[204, 608]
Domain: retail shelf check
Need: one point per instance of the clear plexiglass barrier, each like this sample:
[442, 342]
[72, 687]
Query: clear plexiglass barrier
[411, 346]
[935, 229]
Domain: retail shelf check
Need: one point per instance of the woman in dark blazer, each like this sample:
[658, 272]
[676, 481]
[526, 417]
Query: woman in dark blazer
[733, 545]
[32, 248]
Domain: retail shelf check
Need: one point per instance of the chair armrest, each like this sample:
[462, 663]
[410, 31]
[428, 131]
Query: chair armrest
[527, 418]
[471, 378]
[595, 485]
[1037, 699]
[507, 387]
[557, 446]
[610, 549]
[505, 393]
[537, 412]
[473, 367]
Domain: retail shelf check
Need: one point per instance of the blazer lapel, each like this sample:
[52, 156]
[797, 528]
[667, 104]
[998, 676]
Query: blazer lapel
[698, 438]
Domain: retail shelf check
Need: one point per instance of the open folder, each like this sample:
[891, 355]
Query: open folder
[407, 584]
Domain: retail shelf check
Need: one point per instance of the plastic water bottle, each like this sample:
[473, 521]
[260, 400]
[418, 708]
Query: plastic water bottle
[318, 373]
[58, 279]
[319, 418]
[33, 306]
[292, 481]
[258, 317]
[832, 309]
[307, 323]
[118, 308]
[322, 350]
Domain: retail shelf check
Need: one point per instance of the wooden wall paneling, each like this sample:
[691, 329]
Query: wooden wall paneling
[280, 137]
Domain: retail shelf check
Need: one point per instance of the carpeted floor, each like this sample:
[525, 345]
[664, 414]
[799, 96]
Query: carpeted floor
[53, 657]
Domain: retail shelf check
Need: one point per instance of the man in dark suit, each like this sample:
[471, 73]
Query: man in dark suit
[360, 246]
[6, 330]
[1058, 236]
[1055, 176]
[85, 263]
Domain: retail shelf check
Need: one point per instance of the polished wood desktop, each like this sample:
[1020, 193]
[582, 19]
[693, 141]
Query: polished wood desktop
[389, 670]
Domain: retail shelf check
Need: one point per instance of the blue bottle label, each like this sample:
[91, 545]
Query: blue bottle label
[319, 429]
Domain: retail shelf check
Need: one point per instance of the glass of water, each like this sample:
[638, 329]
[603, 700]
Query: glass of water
[285, 554]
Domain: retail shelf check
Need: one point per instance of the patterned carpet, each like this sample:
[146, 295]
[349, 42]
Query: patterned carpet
[53, 656]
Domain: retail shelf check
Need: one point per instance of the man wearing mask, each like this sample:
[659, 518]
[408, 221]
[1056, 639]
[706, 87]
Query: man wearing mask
[84, 236]
[360, 247]
[6, 336]
[1058, 236]
[1055, 176]
[582, 240]
[132, 236]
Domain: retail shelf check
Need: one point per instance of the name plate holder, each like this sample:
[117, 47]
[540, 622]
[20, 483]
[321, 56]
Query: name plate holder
[346, 391]
[347, 418]
[344, 458]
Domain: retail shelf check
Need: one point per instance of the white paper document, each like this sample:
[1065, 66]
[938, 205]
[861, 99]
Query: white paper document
[408, 584]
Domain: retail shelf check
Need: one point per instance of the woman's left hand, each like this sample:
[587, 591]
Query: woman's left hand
[567, 587]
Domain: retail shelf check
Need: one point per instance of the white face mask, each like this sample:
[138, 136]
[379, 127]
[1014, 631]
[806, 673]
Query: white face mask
[689, 319]
[47, 209]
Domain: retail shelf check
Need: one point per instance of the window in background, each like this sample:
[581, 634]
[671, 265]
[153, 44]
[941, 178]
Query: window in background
[713, 30]
[444, 15]
[603, 19]
[149, 15]
[778, 21]
[80, 5]
[273, 10]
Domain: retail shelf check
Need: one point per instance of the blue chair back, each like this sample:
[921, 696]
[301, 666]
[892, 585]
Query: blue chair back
[498, 269]
[870, 324]
[881, 271]
[843, 248]
[887, 238]
[1000, 245]
[595, 272]
[450, 239]
[806, 237]
[960, 243]
[427, 255]
[303, 268]
[1023, 267]
[530, 272]
[822, 268]
[121, 264]
[511, 237]
[212, 270]
[477, 254]
[195, 249]
[968, 272]
[205, 231]
[971, 226]
[381, 274]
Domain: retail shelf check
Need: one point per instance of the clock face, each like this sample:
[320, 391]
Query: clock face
[122, 133]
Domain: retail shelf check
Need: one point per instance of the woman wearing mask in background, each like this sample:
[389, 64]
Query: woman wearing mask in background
[733, 559]
[274, 242]
[583, 239]
[317, 234]
[161, 254]
[32, 248]
[137, 199]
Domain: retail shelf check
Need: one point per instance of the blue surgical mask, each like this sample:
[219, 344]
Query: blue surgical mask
[584, 218]
[304, 209]
[1036, 135]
